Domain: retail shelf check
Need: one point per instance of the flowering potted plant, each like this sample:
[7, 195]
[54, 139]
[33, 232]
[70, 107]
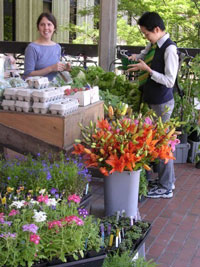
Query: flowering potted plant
[45, 230]
[123, 144]
[27, 176]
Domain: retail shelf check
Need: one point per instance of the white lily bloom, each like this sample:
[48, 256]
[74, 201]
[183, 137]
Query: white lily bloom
[39, 216]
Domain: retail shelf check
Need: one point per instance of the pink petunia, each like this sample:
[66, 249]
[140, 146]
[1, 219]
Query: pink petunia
[42, 198]
[53, 224]
[1, 217]
[35, 238]
[13, 212]
[74, 198]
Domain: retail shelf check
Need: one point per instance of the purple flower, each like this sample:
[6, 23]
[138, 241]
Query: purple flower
[83, 212]
[30, 228]
[9, 178]
[53, 191]
[8, 223]
[6, 235]
[48, 175]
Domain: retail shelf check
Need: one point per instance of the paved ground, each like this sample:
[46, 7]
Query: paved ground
[174, 240]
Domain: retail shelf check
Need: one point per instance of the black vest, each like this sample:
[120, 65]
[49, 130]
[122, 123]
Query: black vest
[153, 92]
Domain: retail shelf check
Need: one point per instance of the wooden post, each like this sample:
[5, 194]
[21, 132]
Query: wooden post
[108, 32]
[1, 21]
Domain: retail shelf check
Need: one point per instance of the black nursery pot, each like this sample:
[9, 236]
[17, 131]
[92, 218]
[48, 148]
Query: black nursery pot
[194, 136]
[197, 165]
[94, 253]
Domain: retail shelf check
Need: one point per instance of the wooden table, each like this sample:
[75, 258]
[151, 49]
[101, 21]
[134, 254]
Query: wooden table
[33, 133]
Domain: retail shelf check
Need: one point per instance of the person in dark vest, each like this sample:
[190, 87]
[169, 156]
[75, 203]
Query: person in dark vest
[158, 66]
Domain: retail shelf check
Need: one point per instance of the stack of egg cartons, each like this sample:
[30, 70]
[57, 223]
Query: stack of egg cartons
[43, 98]
[64, 107]
[39, 98]
[10, 95]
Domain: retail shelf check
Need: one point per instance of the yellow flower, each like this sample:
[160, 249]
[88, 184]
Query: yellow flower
[10, 189]
[21, 188]
[3, 200]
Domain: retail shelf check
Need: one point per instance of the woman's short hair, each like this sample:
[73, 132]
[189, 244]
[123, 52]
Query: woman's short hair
[151, 20]
[50, 17]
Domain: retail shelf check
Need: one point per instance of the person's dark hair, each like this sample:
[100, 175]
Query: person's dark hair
[50, 17]
[151, 20]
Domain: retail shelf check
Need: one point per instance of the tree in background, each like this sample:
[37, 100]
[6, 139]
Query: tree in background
[182, 19]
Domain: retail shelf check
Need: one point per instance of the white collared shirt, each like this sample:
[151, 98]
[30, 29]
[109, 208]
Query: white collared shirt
[171, 63]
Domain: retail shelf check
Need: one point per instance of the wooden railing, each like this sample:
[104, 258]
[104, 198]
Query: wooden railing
[18, 49]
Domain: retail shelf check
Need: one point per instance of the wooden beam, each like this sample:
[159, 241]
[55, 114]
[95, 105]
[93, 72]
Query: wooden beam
[108, 33]
[24, 143]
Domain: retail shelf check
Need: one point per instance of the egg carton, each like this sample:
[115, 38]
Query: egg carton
[64, 107]
[37, 82]
[23, 106]
[42, 108]
[48, 94]
[24, 94]
[94, 94]
[83, 97]
[8, 104]
[10, 93]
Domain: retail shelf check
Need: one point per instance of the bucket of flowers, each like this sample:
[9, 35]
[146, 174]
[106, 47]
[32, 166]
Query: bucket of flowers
[119, 147]
[47, 232]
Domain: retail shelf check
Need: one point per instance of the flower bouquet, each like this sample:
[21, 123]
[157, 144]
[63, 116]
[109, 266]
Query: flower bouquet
[123, 143]
[45, 230]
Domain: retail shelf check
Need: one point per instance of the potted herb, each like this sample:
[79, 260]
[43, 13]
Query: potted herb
[125, 259]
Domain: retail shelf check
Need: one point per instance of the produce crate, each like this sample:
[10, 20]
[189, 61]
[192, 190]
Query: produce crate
[181, 153]
[194, 149]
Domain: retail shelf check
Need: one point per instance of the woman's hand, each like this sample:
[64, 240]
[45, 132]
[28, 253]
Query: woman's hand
[139, 66]
[68, 67]
[58, 67]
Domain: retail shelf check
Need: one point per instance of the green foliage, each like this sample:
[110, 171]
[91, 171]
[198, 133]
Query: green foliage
[189, 80]
[125, 260]
[143, 184]
[8, 20]
[181, 20]
[118, 260]
[63, 175]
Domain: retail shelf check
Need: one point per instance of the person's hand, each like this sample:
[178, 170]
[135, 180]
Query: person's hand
[12, 59]
[133, 57]
[139, 66]
[68, 67]
[58, 67]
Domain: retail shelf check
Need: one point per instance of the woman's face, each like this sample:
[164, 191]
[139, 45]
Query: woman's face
[46, 28]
